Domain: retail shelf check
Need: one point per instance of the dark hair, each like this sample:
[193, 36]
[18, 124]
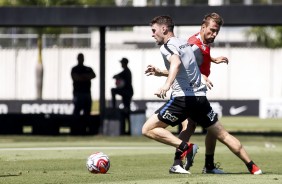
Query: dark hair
[163, 20]
[124, 60]
[80, 57]
[214, 16]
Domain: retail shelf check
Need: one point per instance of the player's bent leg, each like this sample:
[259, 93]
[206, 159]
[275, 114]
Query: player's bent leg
[155, 129]
[234, 145]
[188, 128]
[210, 143]
[230, 141]
[185, 159]
[190, 155]
[184, 136]
[210, 167]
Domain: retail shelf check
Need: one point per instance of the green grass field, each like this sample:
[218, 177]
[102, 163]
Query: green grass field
[135, 160]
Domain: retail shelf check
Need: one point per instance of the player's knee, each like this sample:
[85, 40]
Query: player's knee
[145, 131]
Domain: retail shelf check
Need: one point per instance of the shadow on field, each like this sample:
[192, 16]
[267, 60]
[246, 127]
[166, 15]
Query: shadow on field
[238, 173]
[9, 175]
[253, 133]
[257, 133]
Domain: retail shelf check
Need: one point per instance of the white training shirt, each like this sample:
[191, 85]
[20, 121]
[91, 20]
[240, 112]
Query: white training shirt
[188, 79]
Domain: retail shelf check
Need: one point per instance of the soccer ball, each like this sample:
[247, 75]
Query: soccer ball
[98, 163]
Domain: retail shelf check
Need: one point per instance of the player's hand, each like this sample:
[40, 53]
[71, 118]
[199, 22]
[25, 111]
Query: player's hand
[152, 70]
[221, 59]
[209, 84]
[161, 93]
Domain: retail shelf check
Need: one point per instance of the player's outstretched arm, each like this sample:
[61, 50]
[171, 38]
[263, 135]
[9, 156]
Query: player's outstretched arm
[220, 59]
[152, 70]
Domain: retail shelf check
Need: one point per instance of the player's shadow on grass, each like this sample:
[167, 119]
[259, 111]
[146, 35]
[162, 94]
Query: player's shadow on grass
[238, 173]
[9, 175]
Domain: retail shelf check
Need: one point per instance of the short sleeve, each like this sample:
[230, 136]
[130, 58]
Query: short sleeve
[168, 50]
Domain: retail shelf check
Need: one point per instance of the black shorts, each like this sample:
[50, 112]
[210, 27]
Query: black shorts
[178, 109]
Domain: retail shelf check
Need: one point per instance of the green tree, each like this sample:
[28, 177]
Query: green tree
[270, 37]
[98, 2]
[50, 30]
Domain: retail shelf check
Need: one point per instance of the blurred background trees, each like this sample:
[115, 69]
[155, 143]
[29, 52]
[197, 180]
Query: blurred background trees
[269, 37]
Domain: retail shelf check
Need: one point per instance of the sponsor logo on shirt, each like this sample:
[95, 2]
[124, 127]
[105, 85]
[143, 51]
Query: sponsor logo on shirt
[183, 46]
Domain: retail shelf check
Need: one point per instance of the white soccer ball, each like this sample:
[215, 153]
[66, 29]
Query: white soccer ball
[98, 163]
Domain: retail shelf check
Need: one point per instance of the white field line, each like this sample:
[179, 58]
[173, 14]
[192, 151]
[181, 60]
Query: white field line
[85, 148]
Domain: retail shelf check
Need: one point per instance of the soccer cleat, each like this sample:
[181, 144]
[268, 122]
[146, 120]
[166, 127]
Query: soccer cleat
[212, 171]
[177, 169]
[215, 169]
[255, 170]
[189, 156]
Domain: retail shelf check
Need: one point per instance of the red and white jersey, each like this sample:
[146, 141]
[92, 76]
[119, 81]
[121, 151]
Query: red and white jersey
[202, 53]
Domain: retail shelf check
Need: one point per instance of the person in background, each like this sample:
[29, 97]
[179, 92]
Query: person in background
[125, 90]
[82, 76]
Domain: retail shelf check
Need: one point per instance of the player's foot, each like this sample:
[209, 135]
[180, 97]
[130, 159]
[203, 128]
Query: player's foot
[189, 156]
[177, 169]
[255, 170]
[213, 170]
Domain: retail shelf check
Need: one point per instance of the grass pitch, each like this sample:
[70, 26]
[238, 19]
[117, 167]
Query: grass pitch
[134, 160]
